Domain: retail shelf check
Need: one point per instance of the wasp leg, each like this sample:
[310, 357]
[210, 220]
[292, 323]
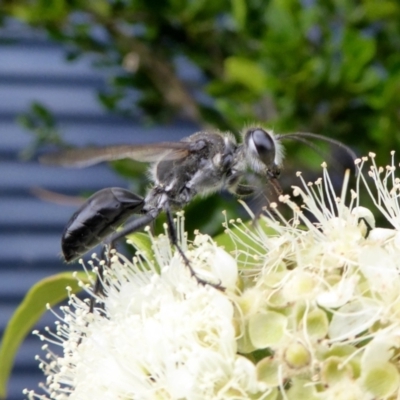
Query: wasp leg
[174, 239]
[133, 226]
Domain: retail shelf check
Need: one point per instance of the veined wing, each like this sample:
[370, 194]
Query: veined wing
[87, 156]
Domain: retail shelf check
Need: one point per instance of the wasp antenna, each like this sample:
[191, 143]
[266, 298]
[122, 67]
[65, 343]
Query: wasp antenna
[310, 145]
[305, 135]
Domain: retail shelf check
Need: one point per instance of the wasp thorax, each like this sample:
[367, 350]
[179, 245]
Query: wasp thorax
[217, 159]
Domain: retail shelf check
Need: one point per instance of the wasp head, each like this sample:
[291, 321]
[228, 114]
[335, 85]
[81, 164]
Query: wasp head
[263, 152]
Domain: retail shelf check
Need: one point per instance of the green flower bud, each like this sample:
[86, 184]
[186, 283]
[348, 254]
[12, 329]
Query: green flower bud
[297, 356]
[382, 380]
[267, 329]
[268, 371]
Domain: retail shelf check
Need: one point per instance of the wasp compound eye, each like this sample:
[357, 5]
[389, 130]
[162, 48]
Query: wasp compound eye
[262, 145]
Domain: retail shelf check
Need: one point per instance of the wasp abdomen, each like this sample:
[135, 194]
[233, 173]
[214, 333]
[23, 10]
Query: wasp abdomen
[97, 218]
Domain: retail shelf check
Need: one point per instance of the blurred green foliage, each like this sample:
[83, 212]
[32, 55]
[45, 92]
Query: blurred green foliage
[330, 67]
[39, 120]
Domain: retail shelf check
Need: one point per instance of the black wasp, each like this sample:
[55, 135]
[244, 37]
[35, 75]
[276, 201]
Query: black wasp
[200, 164]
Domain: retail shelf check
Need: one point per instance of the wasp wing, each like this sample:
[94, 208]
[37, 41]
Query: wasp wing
[87, 156]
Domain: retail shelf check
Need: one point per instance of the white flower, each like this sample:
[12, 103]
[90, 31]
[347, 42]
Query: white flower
[160, 336]
[314, 312]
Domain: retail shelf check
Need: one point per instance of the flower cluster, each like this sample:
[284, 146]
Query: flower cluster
[307, 309]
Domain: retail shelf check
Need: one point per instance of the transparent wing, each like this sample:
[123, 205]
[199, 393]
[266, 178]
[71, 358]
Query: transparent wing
[87, 156]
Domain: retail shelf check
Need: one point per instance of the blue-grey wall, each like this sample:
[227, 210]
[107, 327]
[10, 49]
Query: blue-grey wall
[33, 69]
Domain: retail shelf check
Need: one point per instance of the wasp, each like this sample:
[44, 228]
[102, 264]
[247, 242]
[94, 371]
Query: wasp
[198, 165]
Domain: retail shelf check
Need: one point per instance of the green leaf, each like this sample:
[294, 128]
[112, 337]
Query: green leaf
[131, 169]
[99, 7]
[246, 72]
[211, 207]
[374, 10]
[142, 242]
[40, 11]
[358, 51]
[283, 27]
[247, 235]
[239, 11]
[42, 113]
[50, 290]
